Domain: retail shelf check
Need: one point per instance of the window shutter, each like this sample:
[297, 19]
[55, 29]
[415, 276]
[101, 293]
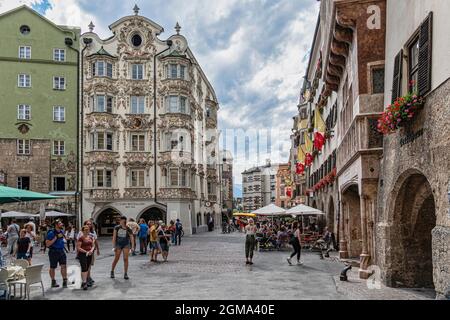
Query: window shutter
[425, 52]
[397, 82]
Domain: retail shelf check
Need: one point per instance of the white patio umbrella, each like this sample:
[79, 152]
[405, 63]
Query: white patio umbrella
[57, 214]
[270, 211]
[303, 210]
[17, 214]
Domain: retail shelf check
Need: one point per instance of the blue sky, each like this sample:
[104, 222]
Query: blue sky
[254, 52]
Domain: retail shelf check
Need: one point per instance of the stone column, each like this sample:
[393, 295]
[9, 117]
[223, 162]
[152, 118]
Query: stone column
[364, 257]
[343, 251]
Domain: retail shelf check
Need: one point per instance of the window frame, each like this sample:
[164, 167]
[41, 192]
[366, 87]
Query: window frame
[26, 57]
[104, 174]
[178, 109]
[26, 77]
[23, 144]
[107, 67]
[25, 112]
[54, 183]
[138, 178]
[138, 141]
[141, 65]
[57, 84]
[138, 100]
[59, 113]
[19, 185]
[105, 139]
[59, 148]
[414, 40]
[57, 55]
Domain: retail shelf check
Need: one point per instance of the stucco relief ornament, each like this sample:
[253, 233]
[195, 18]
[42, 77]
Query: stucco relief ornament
[58, 166]
[24, 128]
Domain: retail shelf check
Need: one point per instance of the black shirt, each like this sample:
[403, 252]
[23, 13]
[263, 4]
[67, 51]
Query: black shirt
[162, 239]
[23, 244]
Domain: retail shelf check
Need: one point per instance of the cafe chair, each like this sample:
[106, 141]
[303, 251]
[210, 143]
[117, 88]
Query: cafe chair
[4, 281]
[22, 263]
[33, 275]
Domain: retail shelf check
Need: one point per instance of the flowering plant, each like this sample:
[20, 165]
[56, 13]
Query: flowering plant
[398, 113]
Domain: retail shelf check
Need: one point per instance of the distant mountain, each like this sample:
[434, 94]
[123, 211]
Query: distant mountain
[237, 191]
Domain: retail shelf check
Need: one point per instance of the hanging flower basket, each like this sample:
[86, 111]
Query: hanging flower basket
[400, 113]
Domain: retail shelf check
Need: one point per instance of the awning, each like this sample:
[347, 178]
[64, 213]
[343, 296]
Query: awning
[57, 214]
[17, 214]
[9, 195]
[242, 214]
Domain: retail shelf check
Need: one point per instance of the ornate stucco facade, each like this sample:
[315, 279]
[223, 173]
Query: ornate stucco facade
[122, 175]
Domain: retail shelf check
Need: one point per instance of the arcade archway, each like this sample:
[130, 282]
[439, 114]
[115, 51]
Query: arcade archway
[154, 214]
[107, 220]
[352, 221]
[414, 217]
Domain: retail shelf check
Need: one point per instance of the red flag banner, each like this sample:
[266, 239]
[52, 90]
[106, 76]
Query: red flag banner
[308, 159]
[300, 168]
[319, 140]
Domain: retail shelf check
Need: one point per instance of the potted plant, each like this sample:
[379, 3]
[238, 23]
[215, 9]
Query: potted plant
[398, 114]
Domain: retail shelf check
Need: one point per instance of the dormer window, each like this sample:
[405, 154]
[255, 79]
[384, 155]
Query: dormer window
[175, 71]
[102, 69]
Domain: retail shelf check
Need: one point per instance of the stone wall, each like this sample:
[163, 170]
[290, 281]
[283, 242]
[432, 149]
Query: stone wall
[427, 155]
[36, 165]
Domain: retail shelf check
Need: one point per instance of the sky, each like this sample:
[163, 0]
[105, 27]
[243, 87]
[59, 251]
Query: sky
[254, 52]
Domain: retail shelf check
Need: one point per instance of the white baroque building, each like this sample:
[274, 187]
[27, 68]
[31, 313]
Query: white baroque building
[127, 169]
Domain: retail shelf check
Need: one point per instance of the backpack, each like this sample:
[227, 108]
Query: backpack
[179, 226]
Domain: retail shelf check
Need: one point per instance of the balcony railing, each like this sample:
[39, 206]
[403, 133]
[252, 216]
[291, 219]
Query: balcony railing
[362, 136]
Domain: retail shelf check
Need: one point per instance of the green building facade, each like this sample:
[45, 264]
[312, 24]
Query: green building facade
[38, 105]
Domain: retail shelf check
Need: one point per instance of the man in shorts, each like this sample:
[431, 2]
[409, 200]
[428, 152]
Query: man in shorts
[154, 243]
[56, 254]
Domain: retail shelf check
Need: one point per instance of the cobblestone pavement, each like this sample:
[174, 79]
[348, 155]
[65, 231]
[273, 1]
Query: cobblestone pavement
[211, 266]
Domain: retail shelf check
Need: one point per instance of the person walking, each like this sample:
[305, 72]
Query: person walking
[32, 224]
[143, 231]
[23, 247]
[121, 243]
[178, 232]
[93, 234]
[134, 227]
[32, 236]
[56, 254]
[85, 252]
[295, 241]
[172, 230]
[154, 244]
[43, 228]
[70, 237]
[250, 241]
[163, 241]
[13, 235]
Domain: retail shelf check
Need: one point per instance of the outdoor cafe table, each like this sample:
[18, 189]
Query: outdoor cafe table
[15, 273]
